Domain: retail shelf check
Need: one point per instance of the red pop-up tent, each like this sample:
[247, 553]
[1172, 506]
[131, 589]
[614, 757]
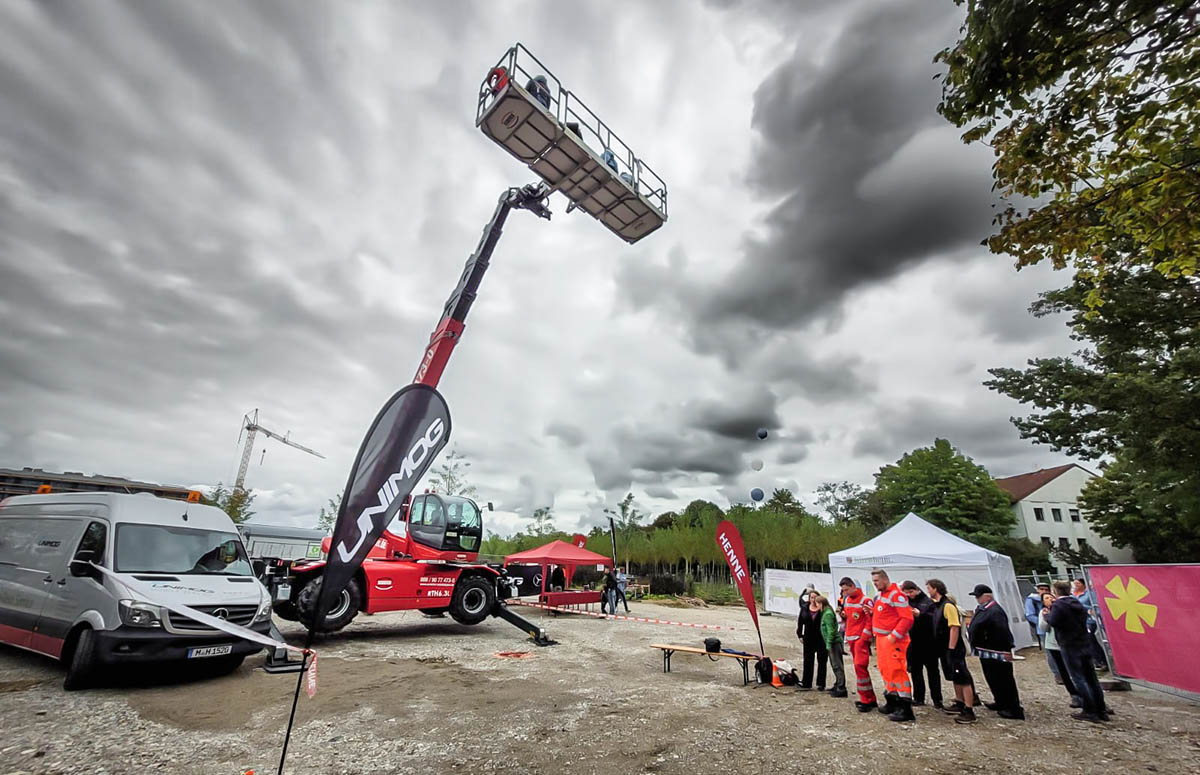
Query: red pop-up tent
[558, 553]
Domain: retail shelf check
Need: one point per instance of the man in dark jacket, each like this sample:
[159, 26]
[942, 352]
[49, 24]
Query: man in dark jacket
[923, 653]
[992, 641]
[1068, 618]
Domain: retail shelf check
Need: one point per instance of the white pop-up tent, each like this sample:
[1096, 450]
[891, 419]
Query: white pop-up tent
[915, 549]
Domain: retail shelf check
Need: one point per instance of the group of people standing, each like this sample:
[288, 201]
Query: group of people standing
[919, 637]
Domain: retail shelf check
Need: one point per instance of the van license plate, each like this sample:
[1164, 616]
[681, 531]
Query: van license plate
[283, 592]
[210, 651]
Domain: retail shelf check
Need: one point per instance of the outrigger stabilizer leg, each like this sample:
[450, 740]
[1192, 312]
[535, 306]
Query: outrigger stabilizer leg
[538, 634]
[277, 658]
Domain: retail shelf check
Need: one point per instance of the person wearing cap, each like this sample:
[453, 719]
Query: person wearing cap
[992, 641]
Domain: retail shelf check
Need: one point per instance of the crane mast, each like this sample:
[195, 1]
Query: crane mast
[251, 428]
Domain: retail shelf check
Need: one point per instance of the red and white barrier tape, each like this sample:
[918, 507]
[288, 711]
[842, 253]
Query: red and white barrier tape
[641, 619]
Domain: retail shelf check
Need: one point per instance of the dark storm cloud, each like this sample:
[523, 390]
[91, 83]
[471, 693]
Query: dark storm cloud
[869, 180]
[569, 434]
[660, 491]
[982, 431]
[158, 157]
[872, 179]
[736, 417]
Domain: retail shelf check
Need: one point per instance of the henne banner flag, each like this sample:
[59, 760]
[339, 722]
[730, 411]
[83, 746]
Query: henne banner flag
[1149, 614]
[730, 542]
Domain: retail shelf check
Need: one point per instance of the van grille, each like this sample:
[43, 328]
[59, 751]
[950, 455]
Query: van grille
[238, 614]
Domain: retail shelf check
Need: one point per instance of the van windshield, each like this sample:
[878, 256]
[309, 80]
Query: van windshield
[181, 550]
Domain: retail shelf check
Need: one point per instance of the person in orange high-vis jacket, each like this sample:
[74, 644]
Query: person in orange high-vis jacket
[855, 608]
[891, 620]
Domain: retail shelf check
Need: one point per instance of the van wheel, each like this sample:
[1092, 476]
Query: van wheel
[344, 609]
[473, 600]
[81, 668]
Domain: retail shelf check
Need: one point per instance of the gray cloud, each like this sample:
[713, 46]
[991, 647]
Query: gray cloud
[660, 491]
[868, 178]
[738, 418]
[569, 434]
[981, 429]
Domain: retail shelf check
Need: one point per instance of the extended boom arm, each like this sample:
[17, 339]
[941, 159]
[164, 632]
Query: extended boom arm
[450, 328]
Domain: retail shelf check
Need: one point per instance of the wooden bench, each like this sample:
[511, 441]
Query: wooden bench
[744, 659]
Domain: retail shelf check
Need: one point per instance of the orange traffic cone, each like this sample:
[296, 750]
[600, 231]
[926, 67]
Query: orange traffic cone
[775, 676]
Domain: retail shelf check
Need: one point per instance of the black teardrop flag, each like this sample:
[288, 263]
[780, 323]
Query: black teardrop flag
[409, 431]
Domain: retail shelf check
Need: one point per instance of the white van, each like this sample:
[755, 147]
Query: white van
[54, 602]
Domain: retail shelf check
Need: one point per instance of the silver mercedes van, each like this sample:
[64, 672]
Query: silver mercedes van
[55, 602]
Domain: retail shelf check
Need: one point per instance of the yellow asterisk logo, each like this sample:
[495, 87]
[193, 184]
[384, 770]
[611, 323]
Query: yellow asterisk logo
[1128, 603]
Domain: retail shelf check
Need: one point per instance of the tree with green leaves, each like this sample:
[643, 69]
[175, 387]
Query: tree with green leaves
[627, 519]
[329, 512]
[1092, 109]
[234, 502]
[542, 521]
[782, 501]
[1130, 396]
[948, 489]
[450, 478]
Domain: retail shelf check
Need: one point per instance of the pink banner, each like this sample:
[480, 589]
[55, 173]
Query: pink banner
[1149, 614]
[730, 541]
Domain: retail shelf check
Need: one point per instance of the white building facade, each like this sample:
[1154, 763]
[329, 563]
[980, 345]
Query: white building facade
[1046, 504]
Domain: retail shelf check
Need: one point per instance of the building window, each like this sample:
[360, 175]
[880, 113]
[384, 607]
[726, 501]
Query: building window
[1083, 544]
[1057, 514]
[1046, 543]
[1040, 515]
[1074, 514]
[1064, 543]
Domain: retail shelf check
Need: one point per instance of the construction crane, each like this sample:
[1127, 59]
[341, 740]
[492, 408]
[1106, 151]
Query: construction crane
[251, 428]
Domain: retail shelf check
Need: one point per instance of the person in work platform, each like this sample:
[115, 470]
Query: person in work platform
[855, 608]
[891, 619]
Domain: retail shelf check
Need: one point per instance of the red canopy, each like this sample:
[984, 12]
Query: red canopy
[559, 553]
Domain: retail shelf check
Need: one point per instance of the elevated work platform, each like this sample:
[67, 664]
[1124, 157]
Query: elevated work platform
[528, 112]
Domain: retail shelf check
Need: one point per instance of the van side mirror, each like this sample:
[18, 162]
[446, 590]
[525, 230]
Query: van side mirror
[490, 506]
[81, 565]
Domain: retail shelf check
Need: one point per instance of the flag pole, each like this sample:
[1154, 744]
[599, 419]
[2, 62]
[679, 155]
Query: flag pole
[287, 736]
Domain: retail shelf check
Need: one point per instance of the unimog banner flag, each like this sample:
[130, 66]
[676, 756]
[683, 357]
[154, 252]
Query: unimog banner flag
[730, 542]
[406, 436]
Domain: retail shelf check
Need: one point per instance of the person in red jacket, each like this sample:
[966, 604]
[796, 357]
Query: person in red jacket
[891, 620]
[855, 610]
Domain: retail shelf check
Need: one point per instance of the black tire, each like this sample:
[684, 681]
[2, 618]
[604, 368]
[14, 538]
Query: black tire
[343, 611]
[473, 600]
[82, 665]
[435, 613]
[287, 611]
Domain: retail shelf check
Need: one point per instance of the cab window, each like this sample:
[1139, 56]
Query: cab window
[95, 539]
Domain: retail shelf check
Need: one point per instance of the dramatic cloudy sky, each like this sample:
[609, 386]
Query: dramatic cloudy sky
[210, 207]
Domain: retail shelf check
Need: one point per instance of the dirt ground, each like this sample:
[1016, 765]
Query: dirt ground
[400, 693]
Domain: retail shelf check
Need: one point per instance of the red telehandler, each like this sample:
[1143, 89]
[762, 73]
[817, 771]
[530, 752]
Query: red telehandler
[426, 558]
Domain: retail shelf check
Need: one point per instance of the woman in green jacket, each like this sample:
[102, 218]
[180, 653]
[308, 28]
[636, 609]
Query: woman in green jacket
[833, 643]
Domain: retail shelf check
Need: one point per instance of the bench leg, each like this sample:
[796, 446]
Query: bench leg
[667, 660]
[745, 671]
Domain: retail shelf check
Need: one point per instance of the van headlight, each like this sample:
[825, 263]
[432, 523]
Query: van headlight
[264, 611]
[137, 614]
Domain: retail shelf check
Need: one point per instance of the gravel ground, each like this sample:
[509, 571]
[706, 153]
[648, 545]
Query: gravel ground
[400, 693]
